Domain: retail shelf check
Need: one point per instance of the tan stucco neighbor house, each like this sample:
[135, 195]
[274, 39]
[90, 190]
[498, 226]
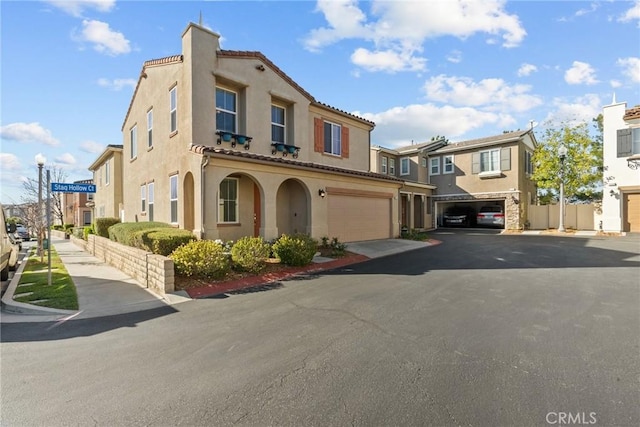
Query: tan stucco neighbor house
[107, 177]
[493, 170]
[225, 144]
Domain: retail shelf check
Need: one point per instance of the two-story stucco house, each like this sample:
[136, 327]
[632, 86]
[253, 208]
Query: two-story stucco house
[107, 177]
[77, 207]
[621, 155]
[495, 170]
[225, 144]
[409, 163]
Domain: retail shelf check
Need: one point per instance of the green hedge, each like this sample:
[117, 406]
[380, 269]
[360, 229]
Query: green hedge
[101, 226]
[124, 231]
[161, 241]
[249, 253]
[296, 250]
[201, 258]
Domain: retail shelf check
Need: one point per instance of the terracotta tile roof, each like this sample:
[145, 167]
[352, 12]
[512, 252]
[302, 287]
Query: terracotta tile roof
[632, 113]
[207, 149]
[161, 61]
[489, 140]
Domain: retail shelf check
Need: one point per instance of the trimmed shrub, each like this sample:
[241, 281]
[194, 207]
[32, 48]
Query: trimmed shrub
[161, 241]
[101, 225]
[57, 227]
[297, 250]
[124, 231]
[68, 227]
[201, 258]
[249, 253]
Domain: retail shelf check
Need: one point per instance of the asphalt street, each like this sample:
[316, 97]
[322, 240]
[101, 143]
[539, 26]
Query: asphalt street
[482, 329]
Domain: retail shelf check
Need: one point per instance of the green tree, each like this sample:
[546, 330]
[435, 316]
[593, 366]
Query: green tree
[582, 165]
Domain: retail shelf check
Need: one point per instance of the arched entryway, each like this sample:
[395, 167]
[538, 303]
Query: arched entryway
[188, 207]
[292, 208]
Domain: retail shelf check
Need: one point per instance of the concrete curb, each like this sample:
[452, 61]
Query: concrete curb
[15, 307]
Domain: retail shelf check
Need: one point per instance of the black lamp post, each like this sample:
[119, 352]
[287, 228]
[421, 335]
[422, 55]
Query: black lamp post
[562, 153]
[40, 160]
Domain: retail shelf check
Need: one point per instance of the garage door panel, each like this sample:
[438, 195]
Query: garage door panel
[632, 210]
[353, 219]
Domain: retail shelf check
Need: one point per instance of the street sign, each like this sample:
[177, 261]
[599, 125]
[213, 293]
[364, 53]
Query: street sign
[73, 188]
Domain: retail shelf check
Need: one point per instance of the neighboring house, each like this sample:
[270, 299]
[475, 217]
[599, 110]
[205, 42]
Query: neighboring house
[77, 207]
[409, 164]
[107, 177]
[488, 171]
[225, 144]
[621, 154]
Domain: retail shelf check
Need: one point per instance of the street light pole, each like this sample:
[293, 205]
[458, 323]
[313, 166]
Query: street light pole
[40, 159]
[48, 227]
[562, 153]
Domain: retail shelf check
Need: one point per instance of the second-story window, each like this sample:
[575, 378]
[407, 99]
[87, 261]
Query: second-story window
[490, 160]
[447, 164]
[107, 172]
[384, 165]
[434, 168]
[226, 110]
[173, 109]
[332, 138]
[528, 162]
[392, 167]
[134, 141]
[404, 166]
[150, 128]
[278, 124]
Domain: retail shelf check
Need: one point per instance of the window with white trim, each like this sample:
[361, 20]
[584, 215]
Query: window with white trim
[173, 109]
[228, 200]
[423, 162]
[150, 128]
[434, 166]
[332, 138]
[150, 202]
[447, 164]
[86, 217]
[143, 198]
[635, 141]
[490, 160]
[107, 173]
[528, 162]
[133, 136]
[405, 166]
[173, 198]
[226, 110]
[384, 165]
[392, 167]
[278, 124]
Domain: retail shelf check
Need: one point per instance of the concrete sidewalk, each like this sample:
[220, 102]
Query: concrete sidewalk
[102, 291]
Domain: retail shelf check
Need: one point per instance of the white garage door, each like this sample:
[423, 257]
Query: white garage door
[354, 218]
[632, 207]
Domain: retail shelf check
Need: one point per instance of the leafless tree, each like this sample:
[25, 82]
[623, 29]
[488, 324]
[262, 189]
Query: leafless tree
[31, 194]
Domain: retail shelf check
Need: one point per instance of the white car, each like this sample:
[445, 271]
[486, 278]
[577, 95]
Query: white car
[492, 216]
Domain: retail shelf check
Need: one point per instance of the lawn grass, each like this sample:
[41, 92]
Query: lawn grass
[62, 292]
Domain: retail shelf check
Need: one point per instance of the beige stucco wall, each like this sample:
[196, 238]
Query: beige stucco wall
[108, 196]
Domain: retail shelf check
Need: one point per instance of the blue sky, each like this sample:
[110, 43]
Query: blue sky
[462, 69]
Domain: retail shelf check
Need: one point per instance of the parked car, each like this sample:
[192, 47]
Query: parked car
[459, 216]
[23, 233]
[492, 216]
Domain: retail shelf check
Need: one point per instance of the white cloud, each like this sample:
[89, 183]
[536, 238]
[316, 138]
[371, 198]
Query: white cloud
[615, 83]
[403, 26]
[28, 132]
[574, 111]
[9, 162]
[66, 159]
[580, 73]
[91, 147]
[388, 60]
[631, 14]
[454, 56]
[526, 69]
[104, 39]
[398, 126]
[77, 7]
[631, 68]
[592, 8]
[117, 84]
[491, 94]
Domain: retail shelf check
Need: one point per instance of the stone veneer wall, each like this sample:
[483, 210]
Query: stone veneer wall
[154, 272]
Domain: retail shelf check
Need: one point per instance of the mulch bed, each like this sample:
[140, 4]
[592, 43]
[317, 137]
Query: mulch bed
[234, 281]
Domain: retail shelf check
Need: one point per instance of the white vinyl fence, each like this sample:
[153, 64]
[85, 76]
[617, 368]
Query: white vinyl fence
[577, 217]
